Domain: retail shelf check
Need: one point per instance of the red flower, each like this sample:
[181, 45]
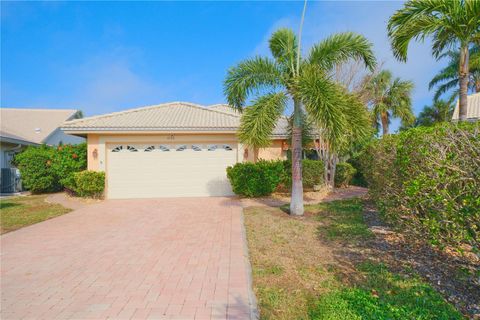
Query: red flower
[74, 156]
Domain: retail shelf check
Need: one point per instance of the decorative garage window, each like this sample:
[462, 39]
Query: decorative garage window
[212, 147]
[182, 147]
[131, 149]
[227, 147]
[117, 149]
[164, 148]
[196, 148]
[149, 149]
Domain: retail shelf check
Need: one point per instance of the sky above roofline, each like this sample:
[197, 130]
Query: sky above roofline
[102, 57]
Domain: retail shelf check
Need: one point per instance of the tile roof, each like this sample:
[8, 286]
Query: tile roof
[32, 125]
[173, 116]
[473, 110]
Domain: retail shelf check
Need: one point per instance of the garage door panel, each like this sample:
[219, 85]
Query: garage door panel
[140, 174]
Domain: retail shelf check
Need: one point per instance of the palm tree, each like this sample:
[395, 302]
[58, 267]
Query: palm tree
[440, 111]
[271, 83]
[390, 98]
[447, 79]
[450, 23]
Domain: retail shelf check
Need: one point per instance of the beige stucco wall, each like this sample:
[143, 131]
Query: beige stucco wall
[273, 152]
[92, 150]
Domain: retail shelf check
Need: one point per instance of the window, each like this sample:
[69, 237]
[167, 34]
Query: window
[131, 149]
[212, 147]
[182, 147]
[227, 147]
[117, 149]
[164, 148]
[196, 148]
[149, 149]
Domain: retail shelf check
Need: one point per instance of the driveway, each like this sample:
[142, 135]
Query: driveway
[130, 259]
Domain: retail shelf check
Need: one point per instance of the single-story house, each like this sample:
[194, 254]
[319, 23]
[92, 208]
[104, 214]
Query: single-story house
[20, 128]
[473, 109]
[175, 149]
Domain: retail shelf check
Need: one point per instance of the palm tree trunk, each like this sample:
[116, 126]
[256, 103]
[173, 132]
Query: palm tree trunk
[384, 118]
[296, 204]
[463, 76]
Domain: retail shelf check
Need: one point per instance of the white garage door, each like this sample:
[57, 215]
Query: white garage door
[163, 170]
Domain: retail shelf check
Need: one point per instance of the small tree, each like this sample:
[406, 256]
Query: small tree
[390, 98]
[307, 82]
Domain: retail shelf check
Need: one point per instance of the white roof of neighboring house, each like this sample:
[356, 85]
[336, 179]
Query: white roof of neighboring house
[173, 116]
[32, 125]
[473, 110]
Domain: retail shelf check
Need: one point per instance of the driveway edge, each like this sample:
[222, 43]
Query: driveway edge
[254, 314]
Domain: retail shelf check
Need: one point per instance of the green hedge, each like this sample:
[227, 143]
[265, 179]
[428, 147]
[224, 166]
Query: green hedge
[49, 169]
[255, 179]
[344, 174]
[312, 173]
[263, 177]
[89, 183]
[427, 179]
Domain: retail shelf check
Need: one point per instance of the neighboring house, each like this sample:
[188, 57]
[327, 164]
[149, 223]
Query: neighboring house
[20, 128]
[174, 149]
[473, 109]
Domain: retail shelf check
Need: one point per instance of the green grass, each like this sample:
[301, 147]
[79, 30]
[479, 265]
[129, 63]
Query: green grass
[343, 220]
[19, 212]
[298, 274]
[383, 295]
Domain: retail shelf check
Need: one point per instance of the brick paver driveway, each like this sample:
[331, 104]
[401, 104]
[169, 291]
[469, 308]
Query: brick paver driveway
[130, 259]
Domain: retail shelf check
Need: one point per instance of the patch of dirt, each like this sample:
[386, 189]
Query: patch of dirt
[279, 199]
[455, 276]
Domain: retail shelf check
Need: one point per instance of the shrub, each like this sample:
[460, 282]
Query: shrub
[48, 169]
[359, 177]
[255, 179]
[89, 183]
[344, 174]
[312, 173]
[427, 179]
[35, 164]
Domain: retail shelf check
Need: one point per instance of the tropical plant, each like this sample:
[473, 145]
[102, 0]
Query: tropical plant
[447, 78]
[390, 98]
[307, 81]
[439, 111]
[450, 24]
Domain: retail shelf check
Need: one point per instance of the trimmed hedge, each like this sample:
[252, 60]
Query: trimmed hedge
[49, 169]
[263, 177]
[312, 173]
[344, 174]
[427, 179]
[255, 179]
[89, 183]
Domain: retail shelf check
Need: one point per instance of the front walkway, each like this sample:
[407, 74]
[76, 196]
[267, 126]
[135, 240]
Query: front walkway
[130, 259]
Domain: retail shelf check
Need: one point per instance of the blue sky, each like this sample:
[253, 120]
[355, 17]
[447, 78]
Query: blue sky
[108, 56]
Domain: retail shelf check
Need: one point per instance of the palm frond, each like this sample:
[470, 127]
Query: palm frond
[341, 47]
[283, 45]
[259, 119]
[442, 89]
[248, 77]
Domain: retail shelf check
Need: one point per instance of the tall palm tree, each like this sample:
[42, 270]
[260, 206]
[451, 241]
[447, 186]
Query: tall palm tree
[450, 23]
[390, 98]
[271, 83]
[440, 111]
[447, 78]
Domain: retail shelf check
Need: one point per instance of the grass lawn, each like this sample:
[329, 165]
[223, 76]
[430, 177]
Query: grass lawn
[19, 212]
[301, 270]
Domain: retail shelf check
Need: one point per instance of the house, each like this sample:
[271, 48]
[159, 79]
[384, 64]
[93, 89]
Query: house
[24, 127]
[174, 149]
[20, 128]
[473, 110]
